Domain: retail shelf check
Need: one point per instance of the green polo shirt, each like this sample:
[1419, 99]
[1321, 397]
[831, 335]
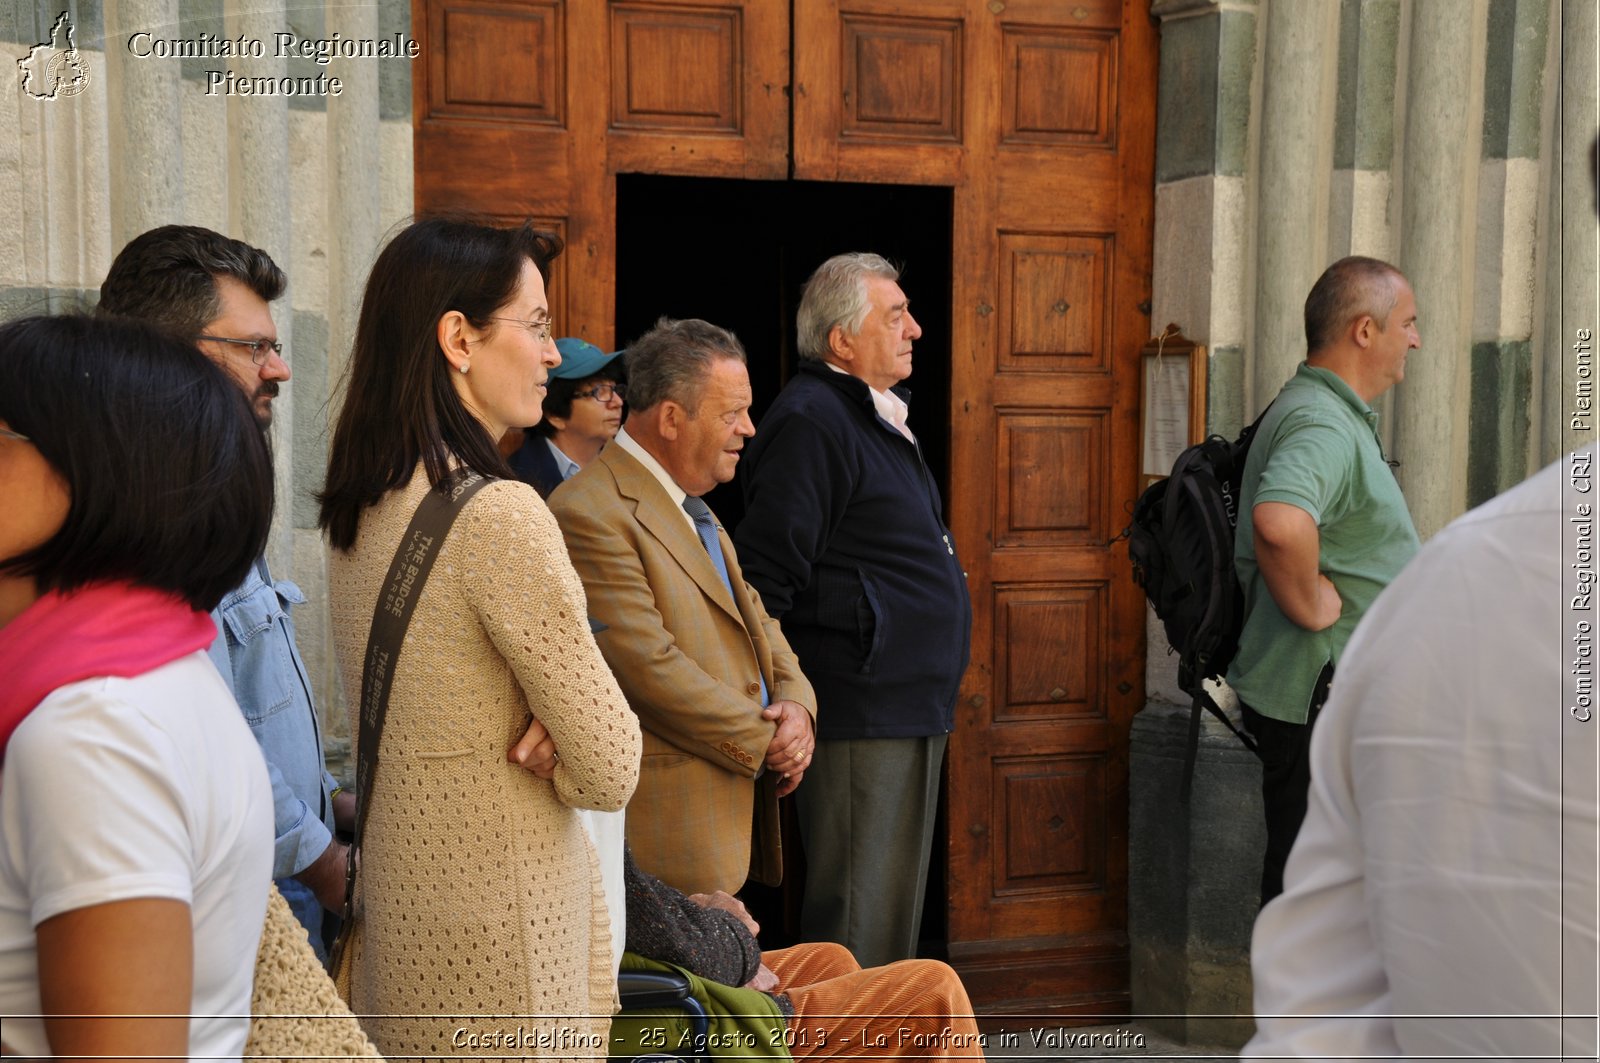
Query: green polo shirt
[1317, 449]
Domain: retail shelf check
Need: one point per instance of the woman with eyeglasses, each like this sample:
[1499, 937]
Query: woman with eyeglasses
[479, 891]
[135, 813]
[582, 413]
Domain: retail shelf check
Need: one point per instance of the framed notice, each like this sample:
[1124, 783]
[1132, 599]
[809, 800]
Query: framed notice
[1172, 406]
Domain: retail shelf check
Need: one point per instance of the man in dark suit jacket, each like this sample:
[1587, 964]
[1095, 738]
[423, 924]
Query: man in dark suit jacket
[842, 535]
[728, 717]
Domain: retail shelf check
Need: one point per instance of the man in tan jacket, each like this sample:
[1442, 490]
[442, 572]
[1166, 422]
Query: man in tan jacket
[728, 717]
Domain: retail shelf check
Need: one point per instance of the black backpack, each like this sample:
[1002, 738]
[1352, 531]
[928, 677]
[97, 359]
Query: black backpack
[1181, 546]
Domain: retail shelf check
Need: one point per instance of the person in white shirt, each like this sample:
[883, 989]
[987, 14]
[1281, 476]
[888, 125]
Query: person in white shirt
[136, 816]
[1440, 899]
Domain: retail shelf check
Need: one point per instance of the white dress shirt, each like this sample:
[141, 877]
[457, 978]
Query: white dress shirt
[890, 407]
[1441, 897]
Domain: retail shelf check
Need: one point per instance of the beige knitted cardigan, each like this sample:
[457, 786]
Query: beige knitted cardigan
[483, 924]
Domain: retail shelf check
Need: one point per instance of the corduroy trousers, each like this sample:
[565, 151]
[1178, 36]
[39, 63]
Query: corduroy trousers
[914, 1009]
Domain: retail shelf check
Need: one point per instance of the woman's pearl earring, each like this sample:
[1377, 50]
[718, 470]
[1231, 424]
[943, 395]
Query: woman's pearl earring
[463, 367]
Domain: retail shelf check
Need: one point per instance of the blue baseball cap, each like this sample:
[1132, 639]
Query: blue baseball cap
[580, 359]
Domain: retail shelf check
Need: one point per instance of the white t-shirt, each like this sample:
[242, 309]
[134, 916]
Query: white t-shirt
[115, 789]
[1440, 899]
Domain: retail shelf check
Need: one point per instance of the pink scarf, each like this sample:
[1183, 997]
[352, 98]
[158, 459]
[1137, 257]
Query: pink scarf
[103, 629]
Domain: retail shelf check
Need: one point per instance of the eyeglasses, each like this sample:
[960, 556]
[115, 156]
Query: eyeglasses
[540, 329]
[259, 349]
[9, 434]
[603, 393]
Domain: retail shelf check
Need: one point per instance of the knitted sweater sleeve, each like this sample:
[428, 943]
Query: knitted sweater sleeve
[665, 925]
[528, 598]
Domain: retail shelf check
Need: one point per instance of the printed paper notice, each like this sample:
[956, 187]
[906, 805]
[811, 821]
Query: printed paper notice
[1166, 412]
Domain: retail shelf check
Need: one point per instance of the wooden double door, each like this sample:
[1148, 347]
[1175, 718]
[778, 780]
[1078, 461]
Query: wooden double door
[1038, 116]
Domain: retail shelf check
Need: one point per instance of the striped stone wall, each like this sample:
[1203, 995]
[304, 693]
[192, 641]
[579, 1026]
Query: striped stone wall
[1437, 134]
[1425, 132]
[1451, 137]
[315, 179]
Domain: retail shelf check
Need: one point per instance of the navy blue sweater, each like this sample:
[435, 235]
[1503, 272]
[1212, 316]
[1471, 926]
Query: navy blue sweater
[842, 537]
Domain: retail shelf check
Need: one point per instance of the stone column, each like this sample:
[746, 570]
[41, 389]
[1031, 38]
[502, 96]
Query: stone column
[1360, 219]
[1192, 868]
[1297, 119]
[1509, 179]
[258, 213]
[1570, 274]
[1439, 174]
[145, 120]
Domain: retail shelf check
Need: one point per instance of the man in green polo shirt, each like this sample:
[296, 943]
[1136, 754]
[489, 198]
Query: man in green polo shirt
[1322, 526]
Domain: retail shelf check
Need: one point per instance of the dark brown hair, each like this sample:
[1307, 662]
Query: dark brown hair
[169, 477]
[168, 275]
[400, 406]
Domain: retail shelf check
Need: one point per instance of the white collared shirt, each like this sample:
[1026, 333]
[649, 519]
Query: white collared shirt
[890, 407]
[674, 492]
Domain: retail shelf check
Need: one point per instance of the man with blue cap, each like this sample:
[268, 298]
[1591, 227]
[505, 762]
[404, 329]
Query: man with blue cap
[582, 412]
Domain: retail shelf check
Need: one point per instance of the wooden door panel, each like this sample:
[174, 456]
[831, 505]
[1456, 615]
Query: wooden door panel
[1058, 249]
[1054, 814]
[491, 169]
[480, 42]
[1048, 637]
[699, 89]
[1020, 565]
[901, 78]
[490, 108]
[1051, 472]
[1058, 86]
[1055, 301]
[652, 50]
[880, 90]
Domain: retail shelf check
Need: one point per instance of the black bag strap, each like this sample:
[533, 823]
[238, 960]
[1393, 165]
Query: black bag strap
[1203, 700]
[397, 600]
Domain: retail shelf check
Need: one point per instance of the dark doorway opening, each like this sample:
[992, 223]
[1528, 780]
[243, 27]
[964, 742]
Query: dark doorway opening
[737, 254]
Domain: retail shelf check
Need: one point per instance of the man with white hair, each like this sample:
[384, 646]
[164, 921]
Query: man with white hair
[844, 539]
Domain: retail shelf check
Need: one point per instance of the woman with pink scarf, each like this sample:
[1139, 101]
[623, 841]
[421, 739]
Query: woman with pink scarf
[135, 813]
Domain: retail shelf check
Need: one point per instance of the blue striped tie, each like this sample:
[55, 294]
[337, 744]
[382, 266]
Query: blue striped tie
[705, 526]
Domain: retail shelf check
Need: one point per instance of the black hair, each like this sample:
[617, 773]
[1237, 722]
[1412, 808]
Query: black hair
[400, 406]
[169, 476]
[558, 399]
[168, 275]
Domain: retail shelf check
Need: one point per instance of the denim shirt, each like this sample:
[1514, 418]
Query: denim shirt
[256, 654]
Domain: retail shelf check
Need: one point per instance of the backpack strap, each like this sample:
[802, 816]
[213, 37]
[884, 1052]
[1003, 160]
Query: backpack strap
[1203, 700]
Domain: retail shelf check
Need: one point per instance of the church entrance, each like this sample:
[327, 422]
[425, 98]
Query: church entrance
[701, 158]
[737, 254]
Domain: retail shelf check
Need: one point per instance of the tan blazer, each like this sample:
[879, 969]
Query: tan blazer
[685, 653]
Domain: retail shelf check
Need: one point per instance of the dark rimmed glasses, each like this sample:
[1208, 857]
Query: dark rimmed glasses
[259, 349]
[602, 393]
